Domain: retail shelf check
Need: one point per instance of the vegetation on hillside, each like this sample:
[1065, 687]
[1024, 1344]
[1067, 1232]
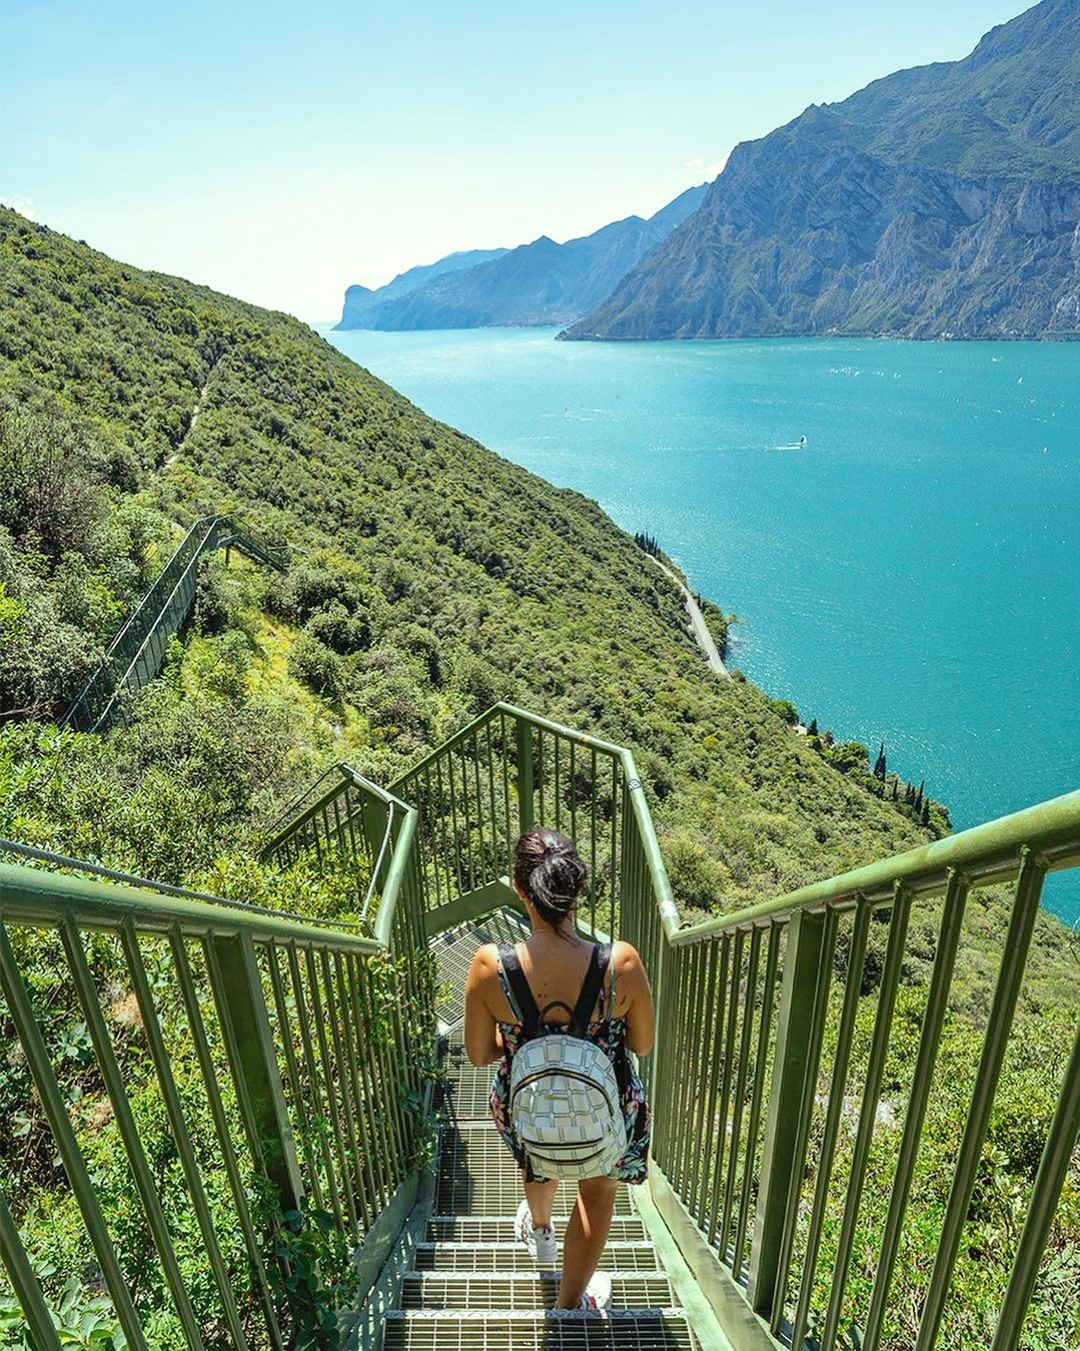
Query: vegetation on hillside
[430, 578]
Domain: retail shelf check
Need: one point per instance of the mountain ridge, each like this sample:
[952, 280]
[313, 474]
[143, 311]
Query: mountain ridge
[541, 282]
[880, 215]
[361, 299]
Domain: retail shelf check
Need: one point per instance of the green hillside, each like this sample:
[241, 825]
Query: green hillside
[431, 577]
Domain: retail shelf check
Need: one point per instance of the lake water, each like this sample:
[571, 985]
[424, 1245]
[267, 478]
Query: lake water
[911, 575]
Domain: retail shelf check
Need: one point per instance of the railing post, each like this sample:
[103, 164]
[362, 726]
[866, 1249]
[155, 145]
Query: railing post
[234, 973]
[789, 1097]
[373, 816]
[25, 1283]
[525, 778]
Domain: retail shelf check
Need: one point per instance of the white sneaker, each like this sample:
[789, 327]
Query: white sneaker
[540, 1239]
[597, 1296]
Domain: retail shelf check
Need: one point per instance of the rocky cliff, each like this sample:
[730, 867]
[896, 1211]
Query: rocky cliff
[361, 300]
[538, 283]
[938, 202]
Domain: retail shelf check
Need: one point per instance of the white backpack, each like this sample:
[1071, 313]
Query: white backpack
[564, 1106]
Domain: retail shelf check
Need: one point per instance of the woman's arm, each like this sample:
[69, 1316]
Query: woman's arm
[483, 1044]
[633, 984]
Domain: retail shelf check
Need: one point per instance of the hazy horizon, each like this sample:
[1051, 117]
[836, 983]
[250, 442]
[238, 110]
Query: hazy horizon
[280, 156]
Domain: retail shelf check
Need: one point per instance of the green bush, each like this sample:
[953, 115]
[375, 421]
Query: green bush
[340, 631]
[52, 477]
[316, 666]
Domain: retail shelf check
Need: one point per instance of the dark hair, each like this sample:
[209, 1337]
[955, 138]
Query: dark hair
[550, 873]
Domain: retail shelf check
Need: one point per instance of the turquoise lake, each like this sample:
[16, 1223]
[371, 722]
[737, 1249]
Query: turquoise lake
[912, 575]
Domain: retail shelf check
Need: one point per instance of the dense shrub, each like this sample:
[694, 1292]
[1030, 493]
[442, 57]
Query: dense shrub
[52, 476]
[316, 666]
[340, 631]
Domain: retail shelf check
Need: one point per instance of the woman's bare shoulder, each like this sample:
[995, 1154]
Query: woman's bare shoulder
[627, 963]
[485, 964]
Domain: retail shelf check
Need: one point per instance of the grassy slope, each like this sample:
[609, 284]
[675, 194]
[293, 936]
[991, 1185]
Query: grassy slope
[527, 591]
[476, 580]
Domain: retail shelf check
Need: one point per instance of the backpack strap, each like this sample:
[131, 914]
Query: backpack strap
[590, 990]
[519, 987]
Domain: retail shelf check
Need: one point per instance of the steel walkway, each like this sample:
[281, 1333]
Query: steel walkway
[773, 1217]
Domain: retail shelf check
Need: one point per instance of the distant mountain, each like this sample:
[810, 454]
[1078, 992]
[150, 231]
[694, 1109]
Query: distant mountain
[361, 300]
[538, 283]
[938, 202]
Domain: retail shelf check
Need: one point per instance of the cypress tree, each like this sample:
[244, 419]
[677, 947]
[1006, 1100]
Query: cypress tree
[812, 729]
[879, 764]
[926, 812]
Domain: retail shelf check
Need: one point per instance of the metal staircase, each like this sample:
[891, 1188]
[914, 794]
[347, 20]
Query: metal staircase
[784, 1181]
[135, 655]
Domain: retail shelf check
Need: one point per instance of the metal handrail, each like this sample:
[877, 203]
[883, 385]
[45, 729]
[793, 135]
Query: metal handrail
[748, 1144]
[96, 700]
[32, 895]
[743, 1004]
[166, 888]
[284, 818]
[665, 900]
[984, 854]
[320, 1069]
[423, 782]
[327, 827]
[290, 818]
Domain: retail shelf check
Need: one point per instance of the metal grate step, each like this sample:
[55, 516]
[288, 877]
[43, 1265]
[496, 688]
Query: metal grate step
[467, 1095]
[477, 1176]
[431, 1290]
[478, 1330]
[512, 1258]
[500, 1229]
[454, 951]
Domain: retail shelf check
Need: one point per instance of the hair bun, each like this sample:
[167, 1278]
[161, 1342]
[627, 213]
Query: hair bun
[550, 872]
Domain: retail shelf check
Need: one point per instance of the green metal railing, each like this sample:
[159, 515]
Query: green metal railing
[506, 771]
[282, 1054]
[756, 1133]
[135, 655]
[789, 1120]
[345, 822]
[759, 1134]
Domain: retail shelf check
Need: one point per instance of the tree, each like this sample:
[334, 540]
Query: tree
[52, 479]
[879, 764]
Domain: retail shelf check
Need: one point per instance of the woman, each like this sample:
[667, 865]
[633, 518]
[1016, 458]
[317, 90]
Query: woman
[549, 877]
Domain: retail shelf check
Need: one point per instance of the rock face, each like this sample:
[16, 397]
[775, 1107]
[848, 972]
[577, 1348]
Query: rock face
[361, 300]
[538, 283]
[938, 202]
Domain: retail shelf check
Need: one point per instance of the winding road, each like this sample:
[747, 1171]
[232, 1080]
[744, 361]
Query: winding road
[697, 622]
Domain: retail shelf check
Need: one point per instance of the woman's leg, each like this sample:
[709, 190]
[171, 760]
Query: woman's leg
[586, 1235]
[541, 1197]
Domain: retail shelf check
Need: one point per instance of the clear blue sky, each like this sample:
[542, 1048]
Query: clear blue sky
[280, 151]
